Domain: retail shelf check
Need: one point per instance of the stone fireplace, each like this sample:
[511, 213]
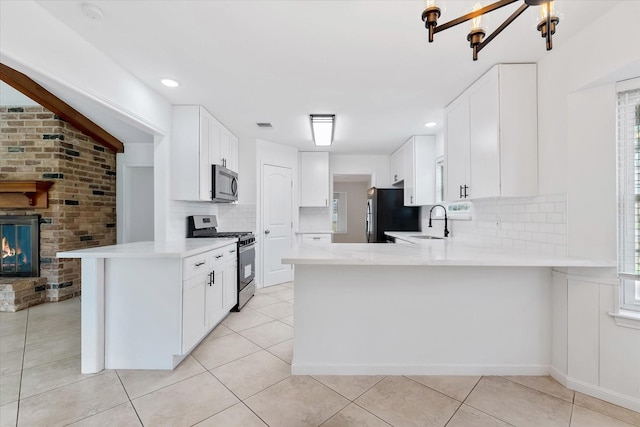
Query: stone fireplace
[80, 212]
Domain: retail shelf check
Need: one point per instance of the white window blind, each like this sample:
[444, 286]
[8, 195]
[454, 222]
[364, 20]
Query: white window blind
[629, 196]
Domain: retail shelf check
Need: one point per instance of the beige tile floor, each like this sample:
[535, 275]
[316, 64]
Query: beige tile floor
[240, 376]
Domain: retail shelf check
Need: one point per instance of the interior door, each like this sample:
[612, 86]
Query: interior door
[276, 224]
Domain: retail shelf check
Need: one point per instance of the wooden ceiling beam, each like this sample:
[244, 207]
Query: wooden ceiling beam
[39, 94]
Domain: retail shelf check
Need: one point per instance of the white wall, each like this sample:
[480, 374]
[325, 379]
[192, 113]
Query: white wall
[248, 179]
[577, 149]
[603, 52]
[10, 96]
[355, 164]
[577, 125]
[31, 40]
[135, 192]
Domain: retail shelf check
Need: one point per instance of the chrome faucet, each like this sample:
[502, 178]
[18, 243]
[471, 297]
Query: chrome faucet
[446, 230]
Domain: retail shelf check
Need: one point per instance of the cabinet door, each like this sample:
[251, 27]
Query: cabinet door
[484, 122]
[394, 166]
[214, 309]
[214, 144]
[207, 137]
[424, 170]
[409, 173]
[230, 283]
[232, 162]
[225, 147]
[314, 179]
[194, 324]
[456, 148]
[518, 130]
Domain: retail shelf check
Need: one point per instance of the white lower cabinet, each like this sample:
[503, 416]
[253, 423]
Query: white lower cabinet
[316, 238]
[230, 281]
[208, 280]
[214, 308]
[193, 313]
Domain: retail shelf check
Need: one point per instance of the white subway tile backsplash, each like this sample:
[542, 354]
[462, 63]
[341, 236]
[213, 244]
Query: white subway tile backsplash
[547, 207]
[315, 219]
[534, 224]
[555, 218]
[231, 217]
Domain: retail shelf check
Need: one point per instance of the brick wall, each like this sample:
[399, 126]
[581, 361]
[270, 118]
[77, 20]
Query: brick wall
[36, 144]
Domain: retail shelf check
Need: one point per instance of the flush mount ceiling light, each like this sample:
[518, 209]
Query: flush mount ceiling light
[322, 129]
[430, 124]
[169, 83]
[546, 25]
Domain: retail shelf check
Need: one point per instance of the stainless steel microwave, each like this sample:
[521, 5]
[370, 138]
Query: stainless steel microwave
[224, 184]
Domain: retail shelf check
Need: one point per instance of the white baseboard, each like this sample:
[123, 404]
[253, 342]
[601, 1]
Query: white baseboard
[596, 391]
[533, 370]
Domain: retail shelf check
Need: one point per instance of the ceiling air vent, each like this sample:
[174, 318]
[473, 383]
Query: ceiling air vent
[264, 125]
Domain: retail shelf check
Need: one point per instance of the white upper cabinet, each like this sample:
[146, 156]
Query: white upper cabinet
[396, 166]
[225, 153]
[491, 136]
[456, 155]
[419, 171]
[198, 141]
[314, 179]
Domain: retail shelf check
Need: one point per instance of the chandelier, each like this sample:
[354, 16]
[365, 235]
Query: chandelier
[546, 25]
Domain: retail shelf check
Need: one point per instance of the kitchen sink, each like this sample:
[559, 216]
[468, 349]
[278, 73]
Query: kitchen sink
[422, 236]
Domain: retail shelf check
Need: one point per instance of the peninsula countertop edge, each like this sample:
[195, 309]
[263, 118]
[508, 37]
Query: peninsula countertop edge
[429, 253]
[152, 249]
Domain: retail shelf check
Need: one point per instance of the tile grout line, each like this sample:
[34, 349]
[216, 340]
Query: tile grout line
[128, 397]
[349, 401]
[492, 416]
[24, 352]
[540, 391]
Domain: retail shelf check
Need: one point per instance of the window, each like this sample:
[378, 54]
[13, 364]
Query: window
[629, 192]
[339, 212]
[440, 179]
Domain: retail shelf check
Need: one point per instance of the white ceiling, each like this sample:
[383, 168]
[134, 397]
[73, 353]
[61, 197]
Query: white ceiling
[368, 62]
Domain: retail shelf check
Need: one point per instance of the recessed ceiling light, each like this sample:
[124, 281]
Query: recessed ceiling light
[92, 11]
[430, 124]
[169, 83]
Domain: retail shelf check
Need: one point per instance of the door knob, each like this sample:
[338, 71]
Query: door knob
[267, 231]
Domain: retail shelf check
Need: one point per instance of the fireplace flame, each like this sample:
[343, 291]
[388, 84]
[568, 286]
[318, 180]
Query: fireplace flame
[7, 251]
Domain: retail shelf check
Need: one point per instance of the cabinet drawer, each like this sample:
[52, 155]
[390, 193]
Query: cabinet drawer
[201, 263]
[316, 238]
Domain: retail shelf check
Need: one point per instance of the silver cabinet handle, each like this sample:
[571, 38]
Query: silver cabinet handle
[198, 264]
[267, 231]
[219, 256]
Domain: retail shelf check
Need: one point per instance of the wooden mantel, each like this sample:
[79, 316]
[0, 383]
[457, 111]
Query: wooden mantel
[24, 194]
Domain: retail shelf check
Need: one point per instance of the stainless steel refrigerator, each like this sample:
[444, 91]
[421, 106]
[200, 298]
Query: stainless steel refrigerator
[386, 212]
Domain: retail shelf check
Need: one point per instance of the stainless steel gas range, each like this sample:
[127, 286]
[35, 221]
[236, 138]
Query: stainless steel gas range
[206, 226]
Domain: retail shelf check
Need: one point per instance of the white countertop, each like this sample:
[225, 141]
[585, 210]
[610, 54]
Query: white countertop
[314, 232]
[170, 249]
[428, 253]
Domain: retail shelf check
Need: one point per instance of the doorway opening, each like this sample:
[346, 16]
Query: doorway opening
[350, 207]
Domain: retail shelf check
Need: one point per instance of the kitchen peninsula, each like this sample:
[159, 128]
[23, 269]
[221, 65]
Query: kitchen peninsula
[437, 307]
[146, 305]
